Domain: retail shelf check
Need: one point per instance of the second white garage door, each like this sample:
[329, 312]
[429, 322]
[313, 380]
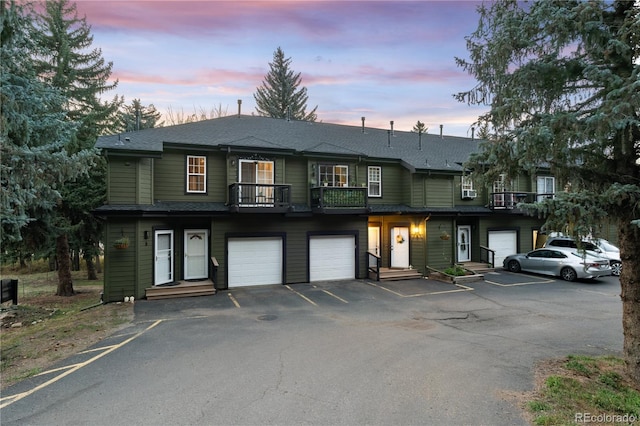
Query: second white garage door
[332, 257]
[254, 261]
[504, 243]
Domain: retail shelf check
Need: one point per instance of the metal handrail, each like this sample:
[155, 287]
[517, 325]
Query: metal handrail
[488, 255]
[374, 263]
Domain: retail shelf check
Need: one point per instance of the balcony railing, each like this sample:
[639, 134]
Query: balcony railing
[339, 198]
[510, 200]
[259, 195]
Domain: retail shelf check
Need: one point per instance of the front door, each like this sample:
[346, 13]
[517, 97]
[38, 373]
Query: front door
[195, 254]
[400, 247]
[464, 243]
[163, 266]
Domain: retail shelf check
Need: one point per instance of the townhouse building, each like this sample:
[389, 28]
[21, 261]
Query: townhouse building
[245, 200]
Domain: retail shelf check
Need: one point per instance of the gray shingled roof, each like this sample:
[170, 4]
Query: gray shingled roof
[445, 153]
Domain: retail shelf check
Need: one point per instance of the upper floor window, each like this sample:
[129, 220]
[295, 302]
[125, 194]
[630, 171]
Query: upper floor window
[374, 181]
[196, 174]
[334, 175]
[501, 197]
[466, 184]
[546, 187]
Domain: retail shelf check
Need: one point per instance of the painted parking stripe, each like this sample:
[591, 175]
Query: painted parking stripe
[233, 299]
[460, 288]
[545, 281]
[332, 295]
[302, 295]
[8, 400]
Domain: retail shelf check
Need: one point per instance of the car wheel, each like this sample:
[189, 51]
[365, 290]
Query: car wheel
[568, 274]
[616, 268]
[513, 266]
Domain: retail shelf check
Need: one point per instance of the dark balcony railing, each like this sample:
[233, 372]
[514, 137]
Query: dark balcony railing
[334, 197]
[259, 195]
[510, 200]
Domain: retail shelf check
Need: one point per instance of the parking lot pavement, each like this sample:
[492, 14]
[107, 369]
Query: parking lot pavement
[305, 295]
[343, 353]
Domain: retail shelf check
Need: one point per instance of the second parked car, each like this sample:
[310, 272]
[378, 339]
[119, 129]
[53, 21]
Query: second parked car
[597, 247]
[570, 265]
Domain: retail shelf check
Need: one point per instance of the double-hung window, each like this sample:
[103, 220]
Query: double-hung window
[466, 184]
[196, 174]
[546, 187]
[334, 175]
[374, 181]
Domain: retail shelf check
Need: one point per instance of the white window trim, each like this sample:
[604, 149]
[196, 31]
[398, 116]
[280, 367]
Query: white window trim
[542, 189]
[466, 187]
[204, 175]
[370, 181]
[334, 168]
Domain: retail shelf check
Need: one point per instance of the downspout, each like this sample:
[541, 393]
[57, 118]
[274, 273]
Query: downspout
[426, 219]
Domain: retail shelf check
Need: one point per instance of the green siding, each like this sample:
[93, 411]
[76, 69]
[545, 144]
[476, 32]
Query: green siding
[170, 178]
[295, 174]
[440, 253]
[121, 181]
[395, 184]
[120, 265]
[145, 179]
[439, 191]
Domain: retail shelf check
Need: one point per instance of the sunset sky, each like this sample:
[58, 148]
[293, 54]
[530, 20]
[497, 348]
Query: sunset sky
[383, 60]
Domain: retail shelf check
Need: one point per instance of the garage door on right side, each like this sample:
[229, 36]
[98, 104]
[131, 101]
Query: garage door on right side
[504, 243]
[332, 257]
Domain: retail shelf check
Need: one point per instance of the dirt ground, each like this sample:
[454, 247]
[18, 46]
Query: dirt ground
[48, 328]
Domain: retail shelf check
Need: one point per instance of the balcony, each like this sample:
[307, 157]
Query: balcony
[510, 200]
[341, 200]
[274, 198]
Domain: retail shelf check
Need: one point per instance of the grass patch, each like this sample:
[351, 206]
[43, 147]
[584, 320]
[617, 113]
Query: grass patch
[44, 328]
[584, 386]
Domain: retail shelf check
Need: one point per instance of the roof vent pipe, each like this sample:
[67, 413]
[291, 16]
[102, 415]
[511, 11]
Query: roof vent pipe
[362, 118]
[239, 107]
[391, 122]
[473, 132]
[441, 126]
[389, 138]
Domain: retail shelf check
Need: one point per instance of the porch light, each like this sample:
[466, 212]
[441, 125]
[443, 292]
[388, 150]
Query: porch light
[416, 231]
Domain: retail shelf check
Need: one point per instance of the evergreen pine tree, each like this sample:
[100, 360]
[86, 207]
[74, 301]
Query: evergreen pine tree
[34, 135]
[562, 80]
[279, 97]
[64, 59]
[136, 117]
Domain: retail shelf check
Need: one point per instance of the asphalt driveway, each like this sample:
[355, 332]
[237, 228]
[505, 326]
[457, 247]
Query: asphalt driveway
[349, 352]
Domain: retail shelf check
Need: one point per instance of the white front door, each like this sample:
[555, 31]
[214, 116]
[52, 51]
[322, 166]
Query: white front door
[400, 247]
[464, 243]
[195, 254]
[163, 267]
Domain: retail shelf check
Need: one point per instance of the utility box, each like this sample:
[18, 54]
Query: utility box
[9, 290]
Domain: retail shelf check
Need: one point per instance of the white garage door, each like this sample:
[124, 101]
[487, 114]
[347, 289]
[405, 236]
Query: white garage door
[254, 261]
[332, 257]
[504, 243]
